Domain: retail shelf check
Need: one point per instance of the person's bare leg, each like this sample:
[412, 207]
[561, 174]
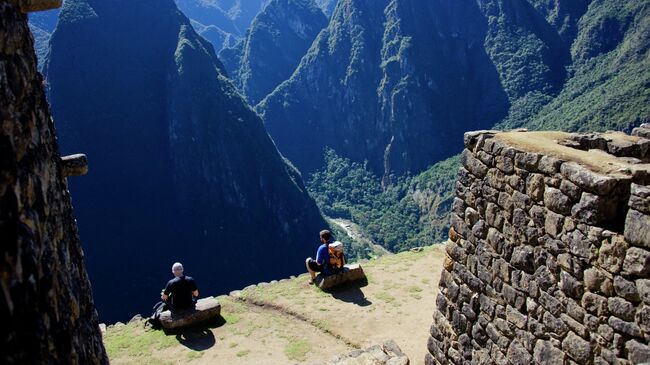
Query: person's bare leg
[311, 272]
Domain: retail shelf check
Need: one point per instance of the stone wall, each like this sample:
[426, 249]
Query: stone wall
[549, 253]
[47, 314]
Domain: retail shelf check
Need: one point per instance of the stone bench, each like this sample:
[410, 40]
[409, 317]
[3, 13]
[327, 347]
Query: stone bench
[206, 309]
[350, 273]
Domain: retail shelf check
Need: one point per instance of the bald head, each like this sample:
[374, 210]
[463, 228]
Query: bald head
[177, 269]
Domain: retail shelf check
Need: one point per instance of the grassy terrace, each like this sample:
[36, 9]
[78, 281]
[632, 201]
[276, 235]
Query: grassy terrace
[292, 322]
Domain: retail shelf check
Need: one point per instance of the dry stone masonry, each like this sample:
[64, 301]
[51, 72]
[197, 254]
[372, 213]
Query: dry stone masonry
[548, 260]
[47, 314]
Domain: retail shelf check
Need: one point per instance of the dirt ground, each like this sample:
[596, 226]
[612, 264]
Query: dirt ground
[292, 322]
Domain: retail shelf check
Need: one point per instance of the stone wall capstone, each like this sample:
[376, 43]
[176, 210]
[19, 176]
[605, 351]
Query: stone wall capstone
[47, 314]
[549, 257]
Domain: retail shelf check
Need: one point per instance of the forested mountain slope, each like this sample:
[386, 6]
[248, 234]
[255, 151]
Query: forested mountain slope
[181, 167]
[277, 39]
[222, 22]
[566, 65]
[398, 82]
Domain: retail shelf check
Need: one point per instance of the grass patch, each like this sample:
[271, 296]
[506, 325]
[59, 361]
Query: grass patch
[414, 289]
[231, 318]
[136, 342]
[297, 350]
[193, 355]
[384, 296]
[243, 353]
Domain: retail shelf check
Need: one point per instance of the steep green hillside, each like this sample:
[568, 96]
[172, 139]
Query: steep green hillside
[609, 87]
[276, 41]
[562, 65]
[181, 167]
[408, 213]
[395, 83]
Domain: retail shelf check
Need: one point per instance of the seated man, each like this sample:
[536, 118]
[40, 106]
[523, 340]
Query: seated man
[181, 291]
[321, 264]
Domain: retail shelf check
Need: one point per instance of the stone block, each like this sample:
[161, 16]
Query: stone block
[522, 258]
[637, 352]
[570, 286]
[595, 209]
[350, 273]
[206, 309]
[626, 289]
[596, 280]
[505, 164]
[595, 304]
[637, 228]
[640, 198]
[643, 289]
[621, 308]
[549, 165]
[535, 187]
[642, 318]
[555, 325]
[545, 353]
[386, 354]
[553, 223]
[527, 160]
[587, 179]
[571, 190]
[624, 327]
[637, 262]
[517, 354]
[612, 254]
[575, 326]
[551, 304]
[555, 200]
[496, 179]
[473, 165]
[577, 348]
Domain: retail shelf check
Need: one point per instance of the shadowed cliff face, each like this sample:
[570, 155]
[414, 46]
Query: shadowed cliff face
[276, 41]
[46, 305]
[181, 167]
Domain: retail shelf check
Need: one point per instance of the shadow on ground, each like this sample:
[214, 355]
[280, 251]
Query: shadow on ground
[198, 337]
[196, 340]
[351, 293]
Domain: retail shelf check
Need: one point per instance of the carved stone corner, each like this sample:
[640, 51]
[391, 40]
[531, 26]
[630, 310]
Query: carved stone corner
[28, 6]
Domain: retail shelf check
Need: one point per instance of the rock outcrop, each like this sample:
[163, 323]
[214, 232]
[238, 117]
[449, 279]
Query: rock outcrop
[388, 353]
[182, 168]
[549, 262]
[47, 314]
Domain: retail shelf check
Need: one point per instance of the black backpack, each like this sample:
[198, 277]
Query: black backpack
[154, 320]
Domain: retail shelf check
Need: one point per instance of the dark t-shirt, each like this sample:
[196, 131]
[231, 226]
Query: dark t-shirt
[180, 289]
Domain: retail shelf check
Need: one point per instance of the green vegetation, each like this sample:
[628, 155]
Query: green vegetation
[408, 213]
[243, 353]
[297, 350]
[137, 343]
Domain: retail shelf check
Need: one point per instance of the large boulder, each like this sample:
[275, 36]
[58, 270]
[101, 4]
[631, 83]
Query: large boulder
[206, 309]
[350, 273]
